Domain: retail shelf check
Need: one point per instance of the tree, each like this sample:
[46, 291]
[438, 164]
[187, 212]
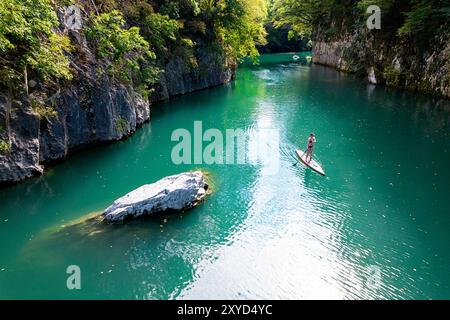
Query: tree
[238, 25]
[126, 49]
[28, 40]
[300, 15]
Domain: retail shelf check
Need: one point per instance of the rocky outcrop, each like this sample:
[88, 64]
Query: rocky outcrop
[331, 53]
[179, 78]
[88, 115]
[21, 133]
[386, 60]
[175, 193]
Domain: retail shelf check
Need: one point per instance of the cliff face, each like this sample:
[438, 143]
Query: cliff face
[384, 60]
[93, 108]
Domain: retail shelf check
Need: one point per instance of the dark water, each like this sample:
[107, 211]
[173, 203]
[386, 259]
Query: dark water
[377, 226]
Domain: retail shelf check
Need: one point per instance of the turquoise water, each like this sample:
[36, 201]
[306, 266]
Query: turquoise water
[375, 227]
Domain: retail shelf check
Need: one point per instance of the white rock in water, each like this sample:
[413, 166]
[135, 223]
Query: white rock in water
[371, 76]
[178, 192]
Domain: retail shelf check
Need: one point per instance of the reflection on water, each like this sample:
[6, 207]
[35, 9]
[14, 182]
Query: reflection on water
[375, 227]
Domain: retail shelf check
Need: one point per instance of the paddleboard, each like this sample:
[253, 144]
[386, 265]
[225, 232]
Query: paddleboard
[311, 164]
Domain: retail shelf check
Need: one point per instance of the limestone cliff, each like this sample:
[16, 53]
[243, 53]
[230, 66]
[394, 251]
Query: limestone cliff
[91, 109]
[385, 60]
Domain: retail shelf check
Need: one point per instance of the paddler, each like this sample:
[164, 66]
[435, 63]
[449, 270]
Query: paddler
[310, 147]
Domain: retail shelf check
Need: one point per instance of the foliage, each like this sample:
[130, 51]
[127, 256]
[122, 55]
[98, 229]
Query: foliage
[177, 9]
[28, 39]
[121, 125]
[392, 76]
[413, 18]
[49, 60]
[132, 36]
[300, 15]
[278, 40]
[41, 110]
[159, 30]
[238, 25]
[5, 146]
[425, 17]
[127, 50]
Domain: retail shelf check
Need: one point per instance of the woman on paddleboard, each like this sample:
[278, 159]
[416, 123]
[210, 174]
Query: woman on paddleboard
[309, 149]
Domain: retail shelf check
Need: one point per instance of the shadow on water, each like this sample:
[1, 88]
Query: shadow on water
[81, 233]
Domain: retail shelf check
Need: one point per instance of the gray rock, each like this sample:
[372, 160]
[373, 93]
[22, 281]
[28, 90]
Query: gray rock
[371, 77]
[178, 78]
[23, 159]
[357, 50]
[177, 192]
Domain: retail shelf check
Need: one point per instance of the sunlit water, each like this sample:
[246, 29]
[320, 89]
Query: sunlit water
[377, 226]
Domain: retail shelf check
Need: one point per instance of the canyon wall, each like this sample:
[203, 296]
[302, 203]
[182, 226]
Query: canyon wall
[386, 60]
[92, 109]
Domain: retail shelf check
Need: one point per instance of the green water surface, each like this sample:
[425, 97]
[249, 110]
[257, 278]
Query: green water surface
[377, 226]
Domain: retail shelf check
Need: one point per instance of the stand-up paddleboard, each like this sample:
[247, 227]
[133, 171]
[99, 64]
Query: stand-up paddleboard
[311, 164]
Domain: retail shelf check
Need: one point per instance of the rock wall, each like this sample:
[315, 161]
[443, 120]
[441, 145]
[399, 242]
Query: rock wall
[388, 60]
[331, 53]
[92, 109]
[179, 78]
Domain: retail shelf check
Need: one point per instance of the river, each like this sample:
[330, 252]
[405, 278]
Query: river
[376, 227]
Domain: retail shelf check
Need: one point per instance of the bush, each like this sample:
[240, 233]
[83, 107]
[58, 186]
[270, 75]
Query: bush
[159, 30]
[41, 110]
[126, 49]
[5, 146]
[28, 39]
[392, 76]
[122, 125]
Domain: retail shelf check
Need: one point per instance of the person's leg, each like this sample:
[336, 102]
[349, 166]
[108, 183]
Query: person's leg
[308, 154]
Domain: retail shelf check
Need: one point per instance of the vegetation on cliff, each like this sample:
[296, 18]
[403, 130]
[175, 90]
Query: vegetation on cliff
[410, 18]
[66, 84]
[28, 43]
[409, 50]
[132, 37]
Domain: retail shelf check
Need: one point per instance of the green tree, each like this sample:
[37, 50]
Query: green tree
[408, 18]
[238, 25]
[126, 49]
[160, 30]
[425, 17]
[300, 15]
[28, 40]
